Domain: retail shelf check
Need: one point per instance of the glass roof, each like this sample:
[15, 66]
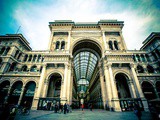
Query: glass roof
[84, 65]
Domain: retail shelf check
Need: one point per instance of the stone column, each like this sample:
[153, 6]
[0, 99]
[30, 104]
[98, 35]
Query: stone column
[21, 96]
[115, 100]
[104, 40]
[64, 93]
[103, 90]
[41, 81]
[8, 94]
[108, 87]
[35, 100]
[3, 67]
[136, 82]
[71, 87]
[69, 84]
[45, 89]
[139, 90]
[132, 90]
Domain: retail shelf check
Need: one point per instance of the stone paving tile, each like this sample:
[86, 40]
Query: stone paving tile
[83, 115]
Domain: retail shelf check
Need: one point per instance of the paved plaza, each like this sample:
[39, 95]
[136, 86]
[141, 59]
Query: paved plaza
[82, 115]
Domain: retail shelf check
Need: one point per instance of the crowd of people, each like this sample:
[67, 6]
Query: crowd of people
[56, 107]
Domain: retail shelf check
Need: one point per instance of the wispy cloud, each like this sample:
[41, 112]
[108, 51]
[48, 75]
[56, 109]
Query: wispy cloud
[140, 17]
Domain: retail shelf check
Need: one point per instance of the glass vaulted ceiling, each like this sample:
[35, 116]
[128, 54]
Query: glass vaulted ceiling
[84, 65]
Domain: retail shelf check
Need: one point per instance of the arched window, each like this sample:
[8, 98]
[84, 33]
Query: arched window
[134, 58]
[143, 59]
[25, 58]
[13, 67]
[6, 51]
[39, 58]
[33, 69]
[110, 45]
[16, 53]
[148, 59]
[138, 58]
[57, 44]
[140, 69]
[116, 45]
[154, 55]
[62, 45]
[34, 58]
[2, 50]
[150, 69]
[42, 59]
[19, 56]
[24, 68]
[40, 69]
[30, 58]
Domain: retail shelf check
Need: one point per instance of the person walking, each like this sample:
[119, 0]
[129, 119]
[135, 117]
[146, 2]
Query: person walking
[137, 111]
[90, 106]
[82, 107]
[65, 108]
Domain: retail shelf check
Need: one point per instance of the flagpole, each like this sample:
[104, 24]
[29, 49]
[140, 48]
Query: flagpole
[18, 29]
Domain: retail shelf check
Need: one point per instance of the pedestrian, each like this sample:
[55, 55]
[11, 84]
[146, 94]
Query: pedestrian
[65, 108]
[137, 111]
[90, 107]
[82, 106]
[56, 108]
[45, 105]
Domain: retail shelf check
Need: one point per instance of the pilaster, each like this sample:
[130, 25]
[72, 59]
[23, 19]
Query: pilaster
[115, 100]
[102, 87]
[41, 81]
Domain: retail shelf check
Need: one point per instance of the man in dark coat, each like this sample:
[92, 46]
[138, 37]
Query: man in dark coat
[65, 108]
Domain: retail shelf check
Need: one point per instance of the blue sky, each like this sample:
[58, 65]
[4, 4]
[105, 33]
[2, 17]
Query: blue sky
[141, 17]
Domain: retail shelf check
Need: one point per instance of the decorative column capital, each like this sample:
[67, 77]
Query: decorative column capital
[132, 65]
[109, 65]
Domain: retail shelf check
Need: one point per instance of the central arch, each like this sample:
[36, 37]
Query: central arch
[86, 55]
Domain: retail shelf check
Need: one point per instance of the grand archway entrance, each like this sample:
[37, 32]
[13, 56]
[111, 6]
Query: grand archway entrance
[53, 93]
[86, 56]
[122, 86]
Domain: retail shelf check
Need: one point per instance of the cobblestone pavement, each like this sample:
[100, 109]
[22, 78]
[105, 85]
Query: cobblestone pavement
[82, 115]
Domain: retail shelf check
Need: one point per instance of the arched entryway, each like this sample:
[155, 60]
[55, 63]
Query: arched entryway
[148, 90]
[54, 86]
[29, 92]
[122, 86]
[4, 87]
[124, 93]
[15, 92]
[87, 89]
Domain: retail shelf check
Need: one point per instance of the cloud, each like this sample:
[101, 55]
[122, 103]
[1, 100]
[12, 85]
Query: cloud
[138, 18]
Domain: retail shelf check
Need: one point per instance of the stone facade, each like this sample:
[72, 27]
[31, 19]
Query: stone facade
[120, 76]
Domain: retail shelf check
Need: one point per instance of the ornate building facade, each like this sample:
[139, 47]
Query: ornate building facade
[85, 63]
